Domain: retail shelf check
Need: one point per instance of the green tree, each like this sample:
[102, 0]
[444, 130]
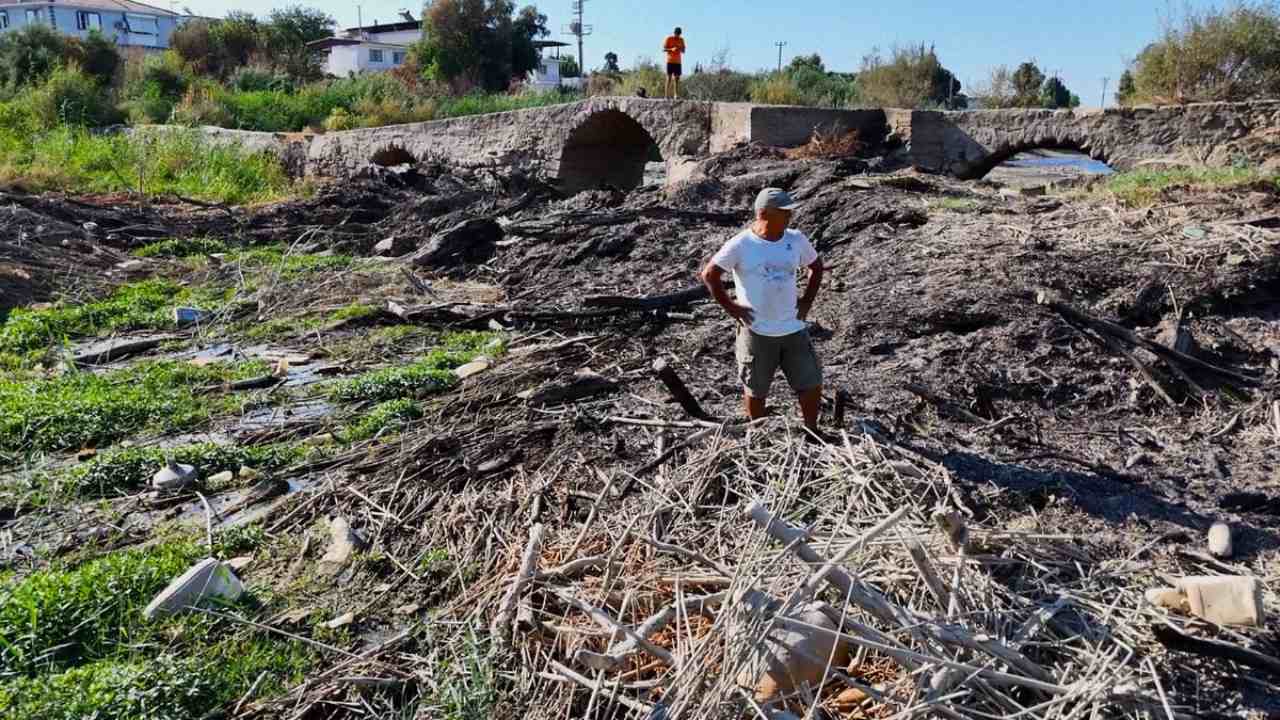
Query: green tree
[1126, 89]
[29, 55]
[286, 34]
[569, 67]
[911, 77]
[237, 39]
[611, 64]
[1213, 55]
[806, 62]
[471, 43]
[1054, 94]
[1027, 82]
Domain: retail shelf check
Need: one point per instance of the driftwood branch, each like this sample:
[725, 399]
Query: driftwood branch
[1175, 640]
[679, 390]
[501, 628]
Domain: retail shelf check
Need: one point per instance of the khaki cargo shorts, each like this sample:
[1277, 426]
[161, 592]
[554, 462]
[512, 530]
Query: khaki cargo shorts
[760, 356]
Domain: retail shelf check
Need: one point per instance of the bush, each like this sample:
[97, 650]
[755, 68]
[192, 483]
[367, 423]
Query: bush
[258, 79]
[1216, 55]
[717, 86]
[72, 98]
[776, 89]
[646, 74]
[29, 55]
[96, 56]
[203, 104]
[154, 88]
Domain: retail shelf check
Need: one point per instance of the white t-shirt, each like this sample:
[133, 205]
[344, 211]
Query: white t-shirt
[764, 273]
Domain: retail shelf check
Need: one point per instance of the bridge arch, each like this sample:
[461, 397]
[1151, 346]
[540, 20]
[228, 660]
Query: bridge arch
[980, 168]
[606, 147]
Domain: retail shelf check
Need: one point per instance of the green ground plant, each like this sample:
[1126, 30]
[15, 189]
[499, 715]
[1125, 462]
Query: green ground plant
[144, 304]
[81, 409]
[433, 373]
[121, 471]
[71, 158]
[182, 248]
[74, 644]
[387, 416]
[1141, 188]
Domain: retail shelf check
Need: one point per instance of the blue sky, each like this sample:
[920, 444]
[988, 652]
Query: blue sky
[1085, 39]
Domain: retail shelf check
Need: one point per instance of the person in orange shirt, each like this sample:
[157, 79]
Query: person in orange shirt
[674, 48]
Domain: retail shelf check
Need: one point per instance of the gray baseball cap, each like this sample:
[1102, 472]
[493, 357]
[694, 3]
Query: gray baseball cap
[775, 198]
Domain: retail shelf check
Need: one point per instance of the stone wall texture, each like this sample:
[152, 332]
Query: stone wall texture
[608, 140]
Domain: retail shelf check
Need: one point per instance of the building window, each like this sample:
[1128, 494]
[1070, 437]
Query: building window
[33, 17]
[375, 56]
[397, 58]
[4, 19]
[88, 21]
[141, 24]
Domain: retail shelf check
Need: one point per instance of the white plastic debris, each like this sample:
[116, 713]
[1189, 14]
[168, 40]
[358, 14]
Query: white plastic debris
[1224, 599]
[206, 580]
[173, 476]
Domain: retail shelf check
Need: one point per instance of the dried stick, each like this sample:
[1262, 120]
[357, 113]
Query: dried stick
[501, 627]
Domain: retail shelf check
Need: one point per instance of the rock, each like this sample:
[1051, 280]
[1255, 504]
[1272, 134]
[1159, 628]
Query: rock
[409, 609]
[343, 543]
[585, 383]
[183, 316]
[221, 478]
[393, 246]
[1136, 459]
[173, 477]
[239, 563]
[341, 621]
[206, 580]
[469, 241]
[850, 699]
[1168, 598]
[790, 658]
[475, 367]
[248, 474]
[1220, 540]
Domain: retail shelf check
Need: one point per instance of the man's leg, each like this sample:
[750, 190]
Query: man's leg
[676, 94]
[810, 404]
[757, 358]
[755, 406]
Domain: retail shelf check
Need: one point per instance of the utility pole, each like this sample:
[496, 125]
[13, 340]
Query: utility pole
[1105, 80]
[780, 46]
[580, 30]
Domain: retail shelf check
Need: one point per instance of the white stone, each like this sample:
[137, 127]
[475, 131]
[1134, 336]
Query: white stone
[475, 367]
[1220, 540]
[174, 476]
[343, 544]
[225, 476]
[205, 580]
[341, 620]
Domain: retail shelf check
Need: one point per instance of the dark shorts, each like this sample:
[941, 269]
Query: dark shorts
[674, 69]
[760, 356]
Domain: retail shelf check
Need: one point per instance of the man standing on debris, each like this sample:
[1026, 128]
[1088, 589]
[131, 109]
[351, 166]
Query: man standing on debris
[771, 327]
[674, 48]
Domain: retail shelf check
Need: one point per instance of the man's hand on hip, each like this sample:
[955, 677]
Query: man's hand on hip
[741, 313]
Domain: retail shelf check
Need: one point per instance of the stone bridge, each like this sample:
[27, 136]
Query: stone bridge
[610, 140]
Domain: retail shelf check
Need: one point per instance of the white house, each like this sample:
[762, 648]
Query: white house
[371, 48]
[547, 75]
[129, 23]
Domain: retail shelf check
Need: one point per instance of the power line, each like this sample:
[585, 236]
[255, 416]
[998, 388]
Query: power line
[780, 46]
